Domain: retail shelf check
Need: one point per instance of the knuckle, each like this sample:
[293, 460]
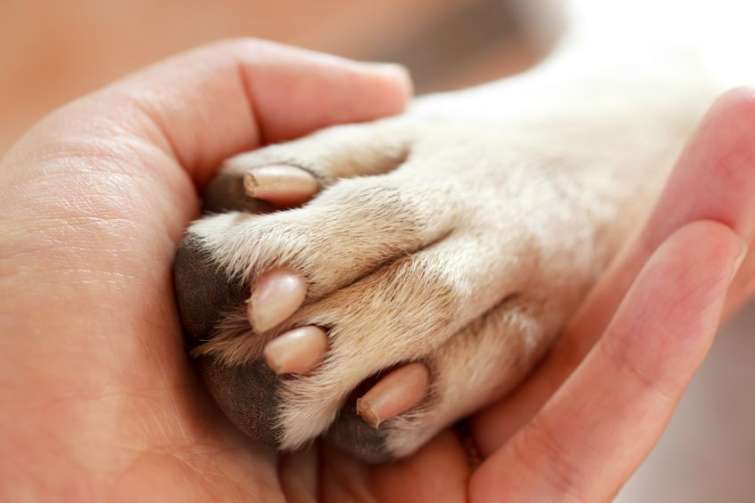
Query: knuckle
[540, 451]
[643, 376]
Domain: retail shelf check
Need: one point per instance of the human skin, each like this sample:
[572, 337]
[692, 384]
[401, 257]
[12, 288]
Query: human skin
[100, 402]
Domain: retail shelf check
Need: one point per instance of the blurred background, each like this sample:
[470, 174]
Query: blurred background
[52, 52]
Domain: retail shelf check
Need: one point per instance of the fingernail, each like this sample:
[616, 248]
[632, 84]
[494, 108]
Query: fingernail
[388, 68]
[280, 184]
[740, 258]
[297, 351]
[276, 295]
[394, 394]
[395, 71]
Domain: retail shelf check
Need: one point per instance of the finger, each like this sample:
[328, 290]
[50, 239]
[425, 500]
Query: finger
[135, 151]
[609, 414]
[713, 179]
[207, 104]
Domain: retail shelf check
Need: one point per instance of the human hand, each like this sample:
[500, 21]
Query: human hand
[98, 398]
[708, 195]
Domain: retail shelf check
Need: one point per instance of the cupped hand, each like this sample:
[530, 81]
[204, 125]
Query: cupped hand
[99, 401]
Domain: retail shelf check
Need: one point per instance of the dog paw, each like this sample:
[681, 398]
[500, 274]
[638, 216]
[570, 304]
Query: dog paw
[374, 283]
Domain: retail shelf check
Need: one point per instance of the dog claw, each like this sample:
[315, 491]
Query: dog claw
[276, 295]
[281, 185]
[297, 351]
[394, 394]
